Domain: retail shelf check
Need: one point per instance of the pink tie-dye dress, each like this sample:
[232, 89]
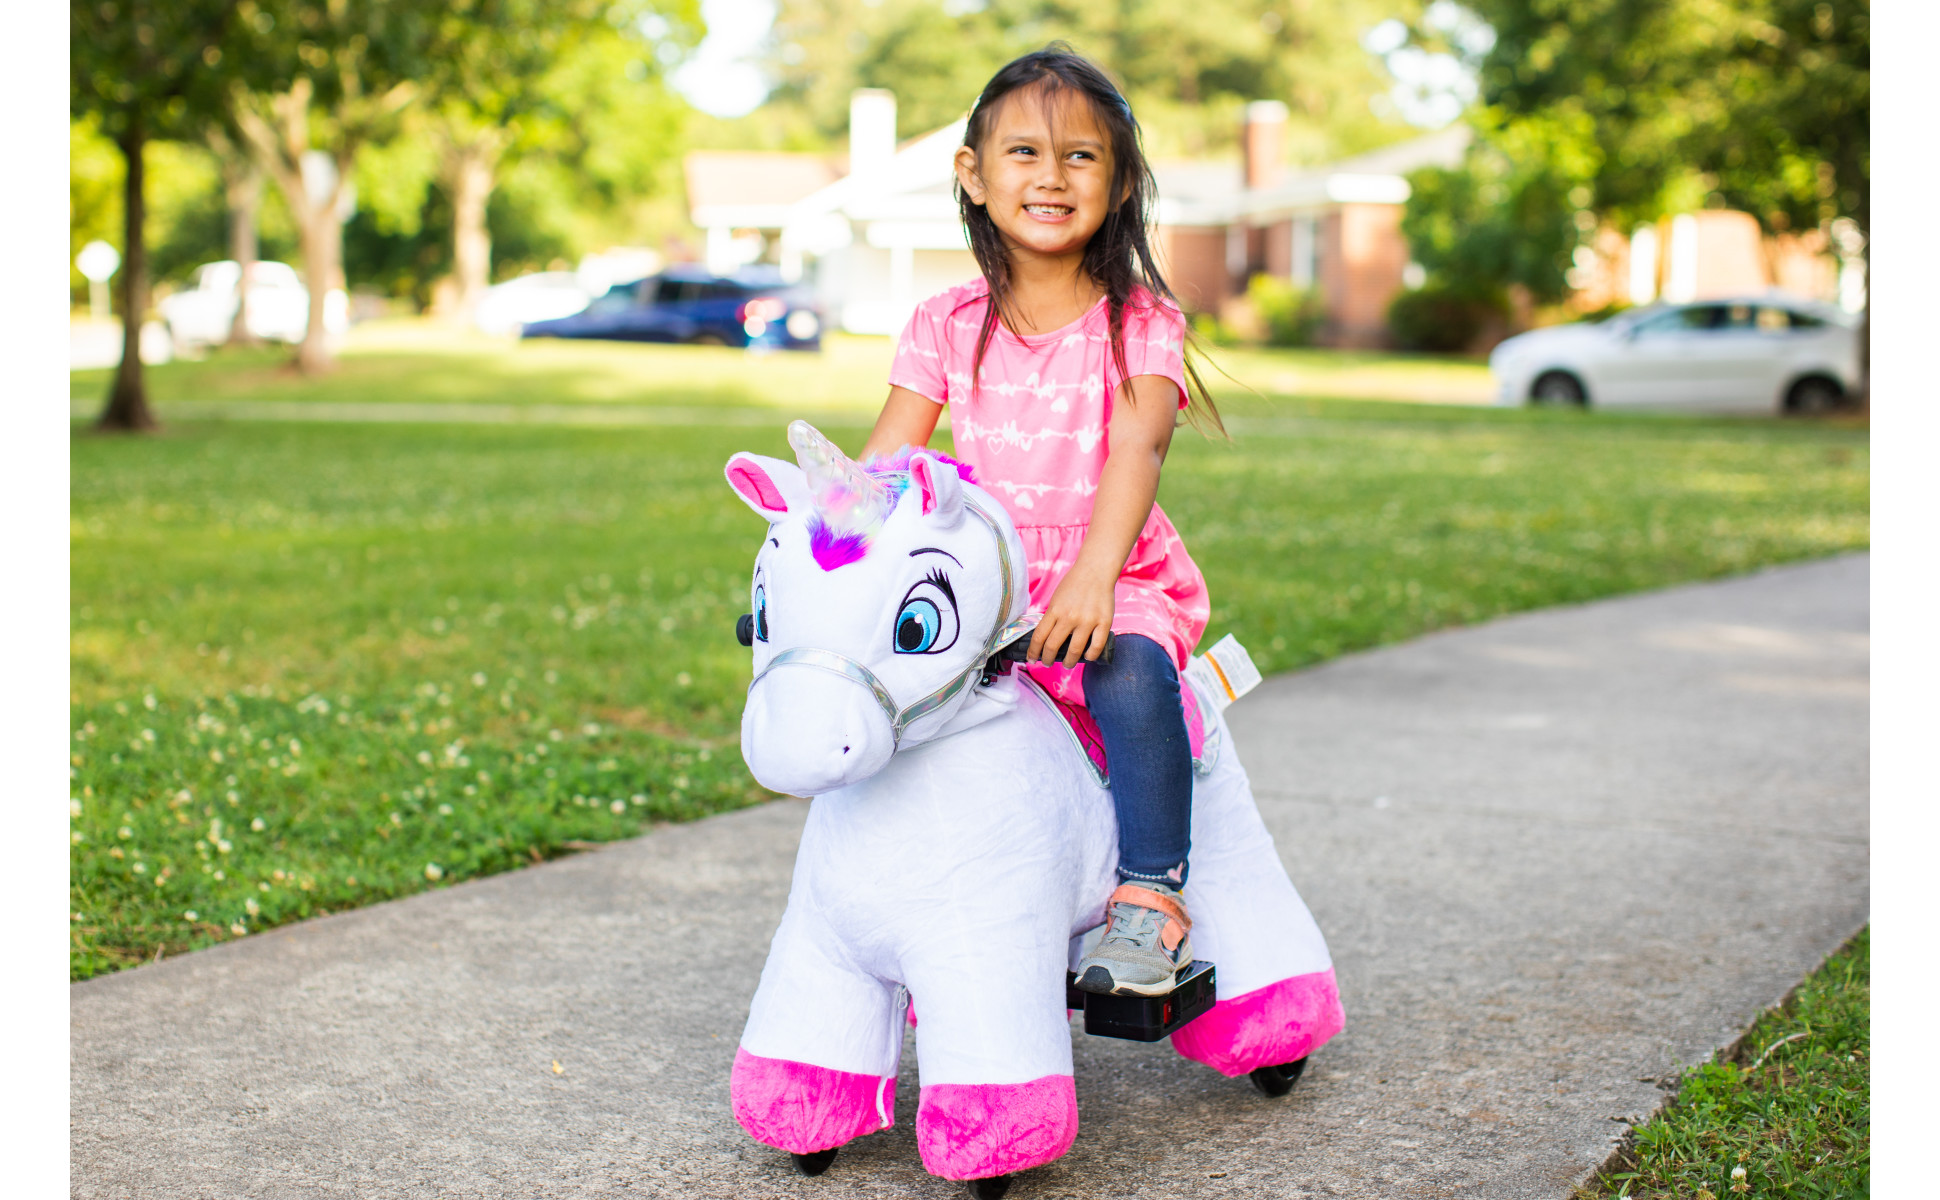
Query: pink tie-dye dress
[1035, 429]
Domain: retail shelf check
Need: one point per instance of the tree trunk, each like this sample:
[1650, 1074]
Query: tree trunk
[243, 189]
[1864, 400]
[128, 399]
[470, 177]
[321, 237]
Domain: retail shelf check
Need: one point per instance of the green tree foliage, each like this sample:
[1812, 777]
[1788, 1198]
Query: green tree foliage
[1509, 216]
[1187, 69]
[1767, 100]
[498, 95]
[591, 158]
[326, 78]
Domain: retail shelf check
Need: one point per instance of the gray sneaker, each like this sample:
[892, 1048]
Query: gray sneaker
[1145, 944]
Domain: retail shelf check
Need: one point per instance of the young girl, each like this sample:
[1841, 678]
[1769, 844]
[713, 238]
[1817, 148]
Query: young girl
[1065, 364]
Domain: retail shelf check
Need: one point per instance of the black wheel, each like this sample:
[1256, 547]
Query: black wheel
[813, 1164]
[1278, 1081]
[708, 339]
[1815, 394]
[1558, 387]
[992, 1188]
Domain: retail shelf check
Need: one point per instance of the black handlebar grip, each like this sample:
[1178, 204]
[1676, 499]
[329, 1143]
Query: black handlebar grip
[1017, 650]
[744, 629]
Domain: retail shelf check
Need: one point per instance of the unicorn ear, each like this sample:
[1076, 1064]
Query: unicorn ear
[940, 487]
[771, 487]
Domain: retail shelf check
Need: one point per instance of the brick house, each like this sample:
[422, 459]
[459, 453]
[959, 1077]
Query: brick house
[877, 231]
[1336, 227]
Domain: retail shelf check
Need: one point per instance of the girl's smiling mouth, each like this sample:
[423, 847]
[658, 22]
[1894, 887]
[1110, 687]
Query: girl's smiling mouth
[1049, 211]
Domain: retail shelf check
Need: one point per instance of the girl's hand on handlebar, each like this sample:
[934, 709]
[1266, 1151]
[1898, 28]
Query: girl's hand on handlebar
[1078, 619]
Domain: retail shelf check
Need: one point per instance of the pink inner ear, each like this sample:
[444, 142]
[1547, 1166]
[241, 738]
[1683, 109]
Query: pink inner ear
[753, 482]
[919, 470]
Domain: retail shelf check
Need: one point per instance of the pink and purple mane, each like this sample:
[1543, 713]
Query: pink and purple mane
[834, 547]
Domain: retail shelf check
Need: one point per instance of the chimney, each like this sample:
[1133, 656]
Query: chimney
[1264, 140]
[872, 129]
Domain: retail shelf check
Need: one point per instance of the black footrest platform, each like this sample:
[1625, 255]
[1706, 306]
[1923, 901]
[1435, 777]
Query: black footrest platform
[1143, 1018]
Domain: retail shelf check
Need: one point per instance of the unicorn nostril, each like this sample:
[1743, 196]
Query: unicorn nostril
[845, 749]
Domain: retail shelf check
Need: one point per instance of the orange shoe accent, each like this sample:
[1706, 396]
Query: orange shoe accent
[1175, 931]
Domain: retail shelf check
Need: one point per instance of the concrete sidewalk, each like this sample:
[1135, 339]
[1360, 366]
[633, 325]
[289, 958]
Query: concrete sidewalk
[1557, 857]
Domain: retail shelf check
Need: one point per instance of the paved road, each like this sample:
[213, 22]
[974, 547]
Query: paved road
[1557, 856]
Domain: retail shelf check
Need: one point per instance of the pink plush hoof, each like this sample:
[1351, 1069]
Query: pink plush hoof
[1275, 1024]
[802, 1108]
[975, 1131]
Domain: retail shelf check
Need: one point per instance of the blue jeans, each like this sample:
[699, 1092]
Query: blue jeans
[1135, 700]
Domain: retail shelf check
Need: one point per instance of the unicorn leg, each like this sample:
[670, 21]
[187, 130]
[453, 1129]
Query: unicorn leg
[1277, 998]
[817, 1063]
[998, 1095]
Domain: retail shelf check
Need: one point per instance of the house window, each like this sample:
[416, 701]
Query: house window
[1306, 251]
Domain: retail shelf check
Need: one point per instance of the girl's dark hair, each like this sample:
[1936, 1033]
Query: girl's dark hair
[1119, 256]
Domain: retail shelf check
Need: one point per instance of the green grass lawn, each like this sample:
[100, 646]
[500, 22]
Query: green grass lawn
[1787, 1113]
[319, 665]
[421, 362]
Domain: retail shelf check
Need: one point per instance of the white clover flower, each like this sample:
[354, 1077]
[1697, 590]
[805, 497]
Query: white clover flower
[683, 679]
[433, 872]
[73, 807]
[478, 679]
[124, 833]
[141, 868]
[618, 807]
[251, 907]
[256, 823]
[189, 915]
[445, 809]
[238, 929]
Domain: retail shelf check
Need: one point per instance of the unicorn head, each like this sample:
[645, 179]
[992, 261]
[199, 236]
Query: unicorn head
[878, 594]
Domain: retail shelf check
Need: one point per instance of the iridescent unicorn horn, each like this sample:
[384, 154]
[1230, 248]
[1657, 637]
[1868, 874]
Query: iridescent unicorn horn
[850, 503]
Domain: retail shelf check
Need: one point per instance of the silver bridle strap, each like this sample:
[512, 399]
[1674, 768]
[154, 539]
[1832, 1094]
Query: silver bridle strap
[901, 718]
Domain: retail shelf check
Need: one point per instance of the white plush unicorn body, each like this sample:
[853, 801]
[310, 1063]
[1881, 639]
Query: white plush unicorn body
[959, 840]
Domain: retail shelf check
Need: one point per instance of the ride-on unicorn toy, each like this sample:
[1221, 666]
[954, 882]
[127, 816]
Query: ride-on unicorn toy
[960, 841]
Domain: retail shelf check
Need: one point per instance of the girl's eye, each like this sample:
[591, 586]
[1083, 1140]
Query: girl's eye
[760, 613]
[927, 621]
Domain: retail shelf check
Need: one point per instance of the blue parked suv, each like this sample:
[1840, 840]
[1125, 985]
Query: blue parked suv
[751, 307]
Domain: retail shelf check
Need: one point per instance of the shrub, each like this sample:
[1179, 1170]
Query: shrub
[1442, 318]
[1209, 328]
[1289, 314]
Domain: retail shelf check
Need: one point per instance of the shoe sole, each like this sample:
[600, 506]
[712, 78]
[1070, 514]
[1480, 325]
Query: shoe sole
[1097, 979]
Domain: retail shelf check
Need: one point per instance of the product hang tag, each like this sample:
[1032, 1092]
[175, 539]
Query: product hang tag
[1225, 672]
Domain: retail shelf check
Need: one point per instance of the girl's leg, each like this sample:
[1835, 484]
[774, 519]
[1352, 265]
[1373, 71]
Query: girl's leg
[1135, 700]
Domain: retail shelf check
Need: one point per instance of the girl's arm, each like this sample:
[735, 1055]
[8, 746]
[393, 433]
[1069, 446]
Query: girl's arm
[1143, 415]
[907, 419]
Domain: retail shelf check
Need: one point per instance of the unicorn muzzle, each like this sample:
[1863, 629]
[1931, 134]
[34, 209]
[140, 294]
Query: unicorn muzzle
[806, 731]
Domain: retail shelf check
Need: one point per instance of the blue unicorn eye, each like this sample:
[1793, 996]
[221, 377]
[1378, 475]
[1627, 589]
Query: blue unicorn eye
[760, 613]
[917, 627]
[927, 621]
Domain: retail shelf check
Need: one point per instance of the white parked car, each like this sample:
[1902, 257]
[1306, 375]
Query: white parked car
[279, 305]
[509, 307]
[1766, 354]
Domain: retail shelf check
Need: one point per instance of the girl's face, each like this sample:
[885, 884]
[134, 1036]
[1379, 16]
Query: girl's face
[1043, 173]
